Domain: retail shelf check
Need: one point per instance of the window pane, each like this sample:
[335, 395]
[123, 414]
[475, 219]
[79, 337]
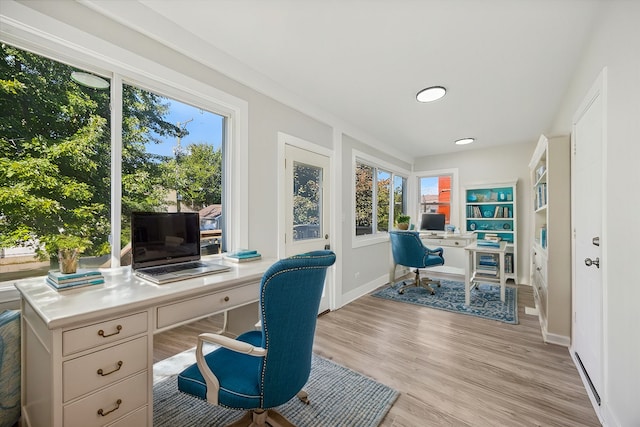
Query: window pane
[307, 211]
[364, 199]
[55, 156]
[384, 200]
[172, 161]
[399, 196]
[435, 195]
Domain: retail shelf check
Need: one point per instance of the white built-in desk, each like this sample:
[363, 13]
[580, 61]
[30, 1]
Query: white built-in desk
[87, 353]
[453, 245]
[473, 276]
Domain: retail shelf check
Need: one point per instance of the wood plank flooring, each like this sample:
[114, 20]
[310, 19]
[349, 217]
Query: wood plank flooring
[451, 369]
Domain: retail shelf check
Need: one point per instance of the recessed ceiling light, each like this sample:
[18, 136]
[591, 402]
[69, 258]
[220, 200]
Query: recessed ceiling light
[89, 80]
[432, 93]
[465, 141]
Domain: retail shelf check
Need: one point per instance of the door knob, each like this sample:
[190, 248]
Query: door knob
[589, 262]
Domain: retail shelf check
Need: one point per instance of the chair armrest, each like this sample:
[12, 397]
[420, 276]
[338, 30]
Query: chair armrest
[213, 385]
[436, 251]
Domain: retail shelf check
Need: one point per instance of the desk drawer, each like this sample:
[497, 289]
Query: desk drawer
[91, 336]
[134, 419]
[114, 402]
[80, 375]
[195, 308]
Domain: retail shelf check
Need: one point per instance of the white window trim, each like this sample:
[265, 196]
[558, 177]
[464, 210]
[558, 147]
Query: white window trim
[455, 197]
[69, 45]
[383, 236]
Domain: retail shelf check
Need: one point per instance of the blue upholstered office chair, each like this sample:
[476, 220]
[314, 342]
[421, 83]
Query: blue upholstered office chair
[263, 369]
[408, 250]
[9, 367]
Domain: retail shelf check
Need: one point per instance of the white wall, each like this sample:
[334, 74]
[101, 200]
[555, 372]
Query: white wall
[615, 44]
[487, 165]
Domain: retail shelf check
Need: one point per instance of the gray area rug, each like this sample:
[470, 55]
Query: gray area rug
[339, 397]
[485, 299]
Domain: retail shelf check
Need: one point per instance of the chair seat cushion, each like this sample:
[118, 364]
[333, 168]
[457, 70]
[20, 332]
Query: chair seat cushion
[236, 391]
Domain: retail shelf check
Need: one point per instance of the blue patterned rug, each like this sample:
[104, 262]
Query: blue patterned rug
[485, 299]
[339, 397]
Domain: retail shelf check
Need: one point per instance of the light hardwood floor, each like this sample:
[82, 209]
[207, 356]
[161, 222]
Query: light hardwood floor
[450, 369]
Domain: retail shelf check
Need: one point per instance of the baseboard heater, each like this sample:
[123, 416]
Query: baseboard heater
[586, 374]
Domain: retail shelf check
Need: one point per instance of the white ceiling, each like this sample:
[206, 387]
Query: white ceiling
[506, 63]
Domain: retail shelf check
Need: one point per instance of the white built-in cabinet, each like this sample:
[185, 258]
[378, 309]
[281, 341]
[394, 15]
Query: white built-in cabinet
[550, 271]
[490, 210]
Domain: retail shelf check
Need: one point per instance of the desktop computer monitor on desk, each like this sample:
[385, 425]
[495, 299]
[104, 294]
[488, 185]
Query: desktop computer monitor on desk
[432, 223]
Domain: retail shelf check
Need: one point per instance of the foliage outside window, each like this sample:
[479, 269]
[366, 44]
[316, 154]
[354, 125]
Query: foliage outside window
[55, 162]
[379, 194]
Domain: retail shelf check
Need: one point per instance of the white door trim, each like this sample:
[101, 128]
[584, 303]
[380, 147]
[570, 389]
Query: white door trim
[286, 139]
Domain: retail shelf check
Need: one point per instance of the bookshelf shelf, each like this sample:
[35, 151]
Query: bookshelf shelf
[490, 209]
[550, 237]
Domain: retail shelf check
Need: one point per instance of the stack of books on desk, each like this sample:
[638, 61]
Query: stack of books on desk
[62, 282]
[487, 265]
[243, 255]
[489, 243]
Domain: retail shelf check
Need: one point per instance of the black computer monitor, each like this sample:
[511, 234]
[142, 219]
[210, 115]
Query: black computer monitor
[432, 222]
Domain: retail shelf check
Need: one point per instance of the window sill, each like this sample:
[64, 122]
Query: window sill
[369, 240]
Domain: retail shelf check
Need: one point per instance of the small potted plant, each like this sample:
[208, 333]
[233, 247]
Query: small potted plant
[402, 222]
[68, 248]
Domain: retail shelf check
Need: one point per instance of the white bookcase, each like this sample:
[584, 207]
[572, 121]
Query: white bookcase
[550, 270]
[491, 209]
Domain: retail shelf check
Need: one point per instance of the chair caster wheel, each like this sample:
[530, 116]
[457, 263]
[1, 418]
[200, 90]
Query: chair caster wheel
[401, 292]
[433, 293]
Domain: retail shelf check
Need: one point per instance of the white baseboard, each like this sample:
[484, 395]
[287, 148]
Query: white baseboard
[363, 290]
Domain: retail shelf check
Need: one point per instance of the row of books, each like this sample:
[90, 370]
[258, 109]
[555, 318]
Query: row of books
[65, 281]
[243, 255]
[540, 196]
[474, 211]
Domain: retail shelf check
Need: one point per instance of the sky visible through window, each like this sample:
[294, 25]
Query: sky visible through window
[203, 126]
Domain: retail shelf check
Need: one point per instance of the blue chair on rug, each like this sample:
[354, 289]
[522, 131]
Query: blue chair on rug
[9, 367]
[408, 250]
[265, 368]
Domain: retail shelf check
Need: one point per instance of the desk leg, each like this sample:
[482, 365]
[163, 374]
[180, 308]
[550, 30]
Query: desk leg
[503, 279]
[467, 278]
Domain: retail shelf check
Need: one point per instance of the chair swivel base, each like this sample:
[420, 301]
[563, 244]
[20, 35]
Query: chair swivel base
[268, 418]
[259, 418]
[421, 283]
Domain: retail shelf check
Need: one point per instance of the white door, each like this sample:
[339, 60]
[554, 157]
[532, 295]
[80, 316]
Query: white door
[306, 204]
[588, 205]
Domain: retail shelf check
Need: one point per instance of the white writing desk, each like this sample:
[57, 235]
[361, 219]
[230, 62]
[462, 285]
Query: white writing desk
[471, 274]
[87, 353]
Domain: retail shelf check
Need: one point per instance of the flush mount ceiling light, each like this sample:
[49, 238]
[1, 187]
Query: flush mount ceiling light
[89, 80]
[465, 141]
[430, 94]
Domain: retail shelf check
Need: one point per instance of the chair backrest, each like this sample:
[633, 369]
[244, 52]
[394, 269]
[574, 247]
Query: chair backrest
[290, 296]
[407, 248]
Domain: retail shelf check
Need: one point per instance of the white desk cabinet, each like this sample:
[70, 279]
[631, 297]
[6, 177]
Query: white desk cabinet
[453, 246]
[87, 355]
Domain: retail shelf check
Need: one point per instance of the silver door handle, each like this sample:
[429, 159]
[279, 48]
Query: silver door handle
[589, 262]
[595, 241]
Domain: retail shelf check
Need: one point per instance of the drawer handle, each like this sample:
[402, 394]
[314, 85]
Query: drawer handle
[104, 414]
[102, 373]
[118, 329]
[226, 299]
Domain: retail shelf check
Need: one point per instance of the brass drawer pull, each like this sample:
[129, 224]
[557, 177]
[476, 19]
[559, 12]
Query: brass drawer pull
[104, 414]
[101, 372]
[118, 329]
[226, 299]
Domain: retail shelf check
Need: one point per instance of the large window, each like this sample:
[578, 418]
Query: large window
[435, 195]
[56, 171]
[380, 196]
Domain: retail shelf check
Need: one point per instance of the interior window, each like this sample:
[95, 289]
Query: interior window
[379, 194]
[56, 172]
[55, 162]
[435, 195]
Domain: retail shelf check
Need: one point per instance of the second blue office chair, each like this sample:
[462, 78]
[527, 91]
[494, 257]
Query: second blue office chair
[263, 369]
[408, 250]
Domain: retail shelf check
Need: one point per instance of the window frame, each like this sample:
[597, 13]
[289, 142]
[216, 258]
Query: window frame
[454, 204]
[376, 163]
[119, 65]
